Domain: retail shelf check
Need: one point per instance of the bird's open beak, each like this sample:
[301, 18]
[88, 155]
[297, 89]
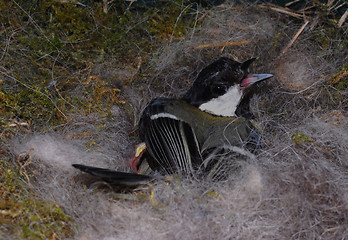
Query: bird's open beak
[254, 78]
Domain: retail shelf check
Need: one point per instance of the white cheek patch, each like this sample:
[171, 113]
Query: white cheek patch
[224, 105]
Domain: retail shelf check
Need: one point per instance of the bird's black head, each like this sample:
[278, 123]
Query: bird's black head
[221, 86]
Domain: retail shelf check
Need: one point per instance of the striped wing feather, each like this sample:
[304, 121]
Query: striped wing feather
[173, 145]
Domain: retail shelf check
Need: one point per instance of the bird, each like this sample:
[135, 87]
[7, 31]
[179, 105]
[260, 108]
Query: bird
[200, 134]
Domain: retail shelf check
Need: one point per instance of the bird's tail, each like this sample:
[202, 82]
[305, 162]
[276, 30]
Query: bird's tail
[115, 177]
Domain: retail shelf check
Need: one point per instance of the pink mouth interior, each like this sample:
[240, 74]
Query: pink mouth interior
[247, 81]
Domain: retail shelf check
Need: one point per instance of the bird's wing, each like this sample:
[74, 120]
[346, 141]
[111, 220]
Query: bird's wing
[255, 140]
[224, 161]
[115, 177]
[172, 143]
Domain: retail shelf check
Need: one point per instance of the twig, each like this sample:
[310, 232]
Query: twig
[294, 38]
[203, 16]
[281, 10]
[290, 3]
[72, 2]
[333, 5]
[105, 6]
[329, 3]
[339, 6]
[339, 77]
[219, 6]
[342, 19]
[222, 44]
[81, 135]
[305, 10]
[129, 6]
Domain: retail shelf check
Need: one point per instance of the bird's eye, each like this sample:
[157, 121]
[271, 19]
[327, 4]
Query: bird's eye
[219, 89]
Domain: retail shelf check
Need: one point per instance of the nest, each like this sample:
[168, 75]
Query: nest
[296, 188]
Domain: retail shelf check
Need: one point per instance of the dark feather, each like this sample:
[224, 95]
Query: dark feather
[173, 145]
[123, 178]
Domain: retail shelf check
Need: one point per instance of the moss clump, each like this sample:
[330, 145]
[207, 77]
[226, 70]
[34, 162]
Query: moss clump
[51, 54]
[340, 79]
[25, 215]
[331, 38]
[299, 137]
[172, 21]
[31, 105]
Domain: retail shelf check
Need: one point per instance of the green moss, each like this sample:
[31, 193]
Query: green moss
[331, 38]
[62, 41]
[299, 137]
[340, 79]
[172, 21]
[25, 215]
[275, 41]
[32, 105]
[334, 90]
